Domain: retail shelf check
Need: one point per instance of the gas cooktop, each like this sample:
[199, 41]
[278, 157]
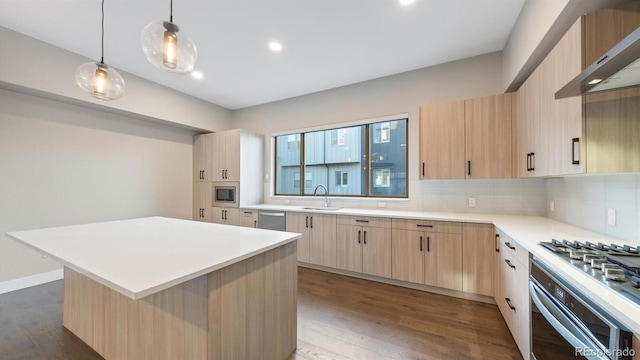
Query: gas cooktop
[616, 266]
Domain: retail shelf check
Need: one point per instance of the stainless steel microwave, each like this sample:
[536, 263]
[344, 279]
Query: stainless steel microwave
[226, 194]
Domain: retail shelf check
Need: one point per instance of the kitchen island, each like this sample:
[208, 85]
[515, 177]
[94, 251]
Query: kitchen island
[160, 288]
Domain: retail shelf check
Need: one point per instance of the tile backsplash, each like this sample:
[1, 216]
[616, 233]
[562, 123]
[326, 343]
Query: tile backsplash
[586, 200]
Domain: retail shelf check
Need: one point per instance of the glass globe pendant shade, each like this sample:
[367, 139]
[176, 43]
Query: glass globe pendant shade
[100, 80]
[168, 47]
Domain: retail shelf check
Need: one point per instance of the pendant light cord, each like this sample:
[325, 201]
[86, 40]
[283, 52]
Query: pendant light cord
[102, 53]
[170, 12]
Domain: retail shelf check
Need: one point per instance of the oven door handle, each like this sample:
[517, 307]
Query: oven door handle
[563, 324]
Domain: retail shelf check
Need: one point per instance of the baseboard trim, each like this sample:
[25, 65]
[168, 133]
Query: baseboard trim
[29, 281]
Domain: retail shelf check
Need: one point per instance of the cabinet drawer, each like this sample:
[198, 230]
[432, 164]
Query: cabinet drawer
[248, 213]
[428, 226]
[364, 221]
[513, 250]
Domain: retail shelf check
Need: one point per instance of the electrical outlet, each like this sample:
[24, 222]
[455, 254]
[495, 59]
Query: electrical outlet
[611, 216]
[552, 206]
[382, 204]
[472, 202]
[266, 176]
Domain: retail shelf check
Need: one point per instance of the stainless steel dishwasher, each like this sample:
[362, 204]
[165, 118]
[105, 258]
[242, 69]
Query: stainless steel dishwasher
[272, 220]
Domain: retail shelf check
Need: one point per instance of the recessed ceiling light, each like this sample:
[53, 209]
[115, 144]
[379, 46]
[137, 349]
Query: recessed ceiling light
[275, 46]
[594, 81]
[406, 2]
[197, 74]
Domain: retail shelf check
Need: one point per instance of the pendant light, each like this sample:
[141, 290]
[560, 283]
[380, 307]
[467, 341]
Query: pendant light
[168, 47]
[99, 79]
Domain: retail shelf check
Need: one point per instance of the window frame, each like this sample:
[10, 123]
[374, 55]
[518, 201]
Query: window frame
[366, 161]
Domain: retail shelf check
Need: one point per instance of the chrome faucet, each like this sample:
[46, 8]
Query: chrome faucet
[326, 194]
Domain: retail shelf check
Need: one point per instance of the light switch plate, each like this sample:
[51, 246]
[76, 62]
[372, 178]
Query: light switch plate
[382, 204]
[472, 202]
[611, 216]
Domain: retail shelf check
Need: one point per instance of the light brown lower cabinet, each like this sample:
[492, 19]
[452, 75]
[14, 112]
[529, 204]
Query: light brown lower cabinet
[422, 255]
[478, 252]
[513, 300]
[247, 218]
[202, 200]
[226, 216]
[364, 245]
[318, 243]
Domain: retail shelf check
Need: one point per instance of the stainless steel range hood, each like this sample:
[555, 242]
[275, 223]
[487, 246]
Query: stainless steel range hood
[618, 68]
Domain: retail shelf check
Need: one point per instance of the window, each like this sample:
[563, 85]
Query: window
[381, 177]
[381, 132]
[363, 160]
[342, 178]
[337, 136]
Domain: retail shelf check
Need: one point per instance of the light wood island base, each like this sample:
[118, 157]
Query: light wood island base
[247, 310]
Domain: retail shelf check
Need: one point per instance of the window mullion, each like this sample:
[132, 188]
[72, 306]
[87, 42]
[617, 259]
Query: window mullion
[302, 164]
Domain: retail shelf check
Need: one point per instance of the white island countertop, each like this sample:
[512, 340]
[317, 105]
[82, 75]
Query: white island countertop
[528, 231]
[139, 257]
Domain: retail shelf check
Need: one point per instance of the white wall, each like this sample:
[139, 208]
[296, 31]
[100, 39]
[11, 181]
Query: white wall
[63, 164]
[35, 67]
[583, 201]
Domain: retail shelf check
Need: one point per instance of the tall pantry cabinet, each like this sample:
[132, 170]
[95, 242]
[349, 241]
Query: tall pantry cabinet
[228, 156]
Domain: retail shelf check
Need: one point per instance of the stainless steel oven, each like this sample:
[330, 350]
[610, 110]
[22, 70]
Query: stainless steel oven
[566, 325]
[226, 194]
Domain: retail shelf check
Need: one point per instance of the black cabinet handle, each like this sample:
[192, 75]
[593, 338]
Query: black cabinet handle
[226, 174]
[362, 221]
[509, 303]
[248, 212]
[420, 243]
[365, 237]
[428, 244]
[497, 242]
[255, 224]
[306, 222]
[509, 245]
[222, 173]
[533, 161]
[510, 264]
[422, 169]
[469, 167]
[529, 162]
[575, 150]
[311, 222]
[426, 226]
[359, 232]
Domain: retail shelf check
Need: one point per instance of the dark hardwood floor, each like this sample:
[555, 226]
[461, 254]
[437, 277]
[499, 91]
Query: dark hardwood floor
[338, 318]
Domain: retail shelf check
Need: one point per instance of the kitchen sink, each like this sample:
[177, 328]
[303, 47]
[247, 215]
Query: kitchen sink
[321, 208]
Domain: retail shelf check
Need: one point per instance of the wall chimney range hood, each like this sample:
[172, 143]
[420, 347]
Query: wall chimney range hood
[618, 68]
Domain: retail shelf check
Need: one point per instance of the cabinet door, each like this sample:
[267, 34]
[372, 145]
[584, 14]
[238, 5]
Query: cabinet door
[349, 252]
[203, 157]
[407, 250]
[232, 155]
[323, 244]
[247, 218]
[299, 223]
[225, 216]
[218, 156]
[376, 251]
[527, 127]
[202, 200]
[478, 249]
[488, 137]
[442, 141]
[443, 261]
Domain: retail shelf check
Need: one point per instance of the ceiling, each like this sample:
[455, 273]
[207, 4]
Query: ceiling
[326, 43]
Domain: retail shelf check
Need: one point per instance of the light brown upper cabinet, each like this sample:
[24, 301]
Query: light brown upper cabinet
[594, 133]
[226, 156]
[467, 139]
[203, 157]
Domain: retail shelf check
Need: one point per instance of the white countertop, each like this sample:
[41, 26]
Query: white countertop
[528, 231]
[139, 257]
